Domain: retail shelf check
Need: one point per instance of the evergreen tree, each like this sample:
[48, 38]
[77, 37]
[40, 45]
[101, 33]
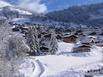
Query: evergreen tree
[53, 43]
[33, 41]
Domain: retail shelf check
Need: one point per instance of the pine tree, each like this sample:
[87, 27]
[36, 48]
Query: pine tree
[33, 41]
[53, 43]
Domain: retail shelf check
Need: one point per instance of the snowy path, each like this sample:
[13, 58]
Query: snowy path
[32, 68]
[56, 64]
[39, 68]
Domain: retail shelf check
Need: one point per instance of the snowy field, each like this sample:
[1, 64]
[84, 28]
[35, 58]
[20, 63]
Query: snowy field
[61, 65]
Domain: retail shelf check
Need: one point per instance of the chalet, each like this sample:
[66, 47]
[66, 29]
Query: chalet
[66, 34]
[44, 49]
[23, 29]
[89, 40]
[81, 48]
[93, 33]
[15, 29]
[99, 43]
[70, 39]
[79, 32]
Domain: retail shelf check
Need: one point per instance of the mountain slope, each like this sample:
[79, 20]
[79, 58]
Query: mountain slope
[3, 4]
[86, 14]
[10, 11]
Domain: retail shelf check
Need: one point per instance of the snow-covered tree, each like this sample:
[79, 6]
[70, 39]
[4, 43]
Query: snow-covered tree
[47, 39]
[16, 47]
[32, 40]
[15, 51]
[53, 43]
[6, 69]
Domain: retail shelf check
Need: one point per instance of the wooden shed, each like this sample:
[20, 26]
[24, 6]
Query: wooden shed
[70, 39]
[82, 48]
[88, 41]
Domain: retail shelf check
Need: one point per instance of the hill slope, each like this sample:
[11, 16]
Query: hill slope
[86, 14]
[10, 11]
[3, 4]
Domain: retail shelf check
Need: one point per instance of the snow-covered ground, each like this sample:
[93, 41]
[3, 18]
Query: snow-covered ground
[3, 4]
[20, 20]
[61, 65]
[64, 48]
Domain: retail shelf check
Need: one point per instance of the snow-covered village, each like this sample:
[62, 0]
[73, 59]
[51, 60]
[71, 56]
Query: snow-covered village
[39, 39]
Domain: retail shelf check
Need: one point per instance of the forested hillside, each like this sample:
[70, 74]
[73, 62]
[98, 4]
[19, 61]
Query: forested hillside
[86, 14]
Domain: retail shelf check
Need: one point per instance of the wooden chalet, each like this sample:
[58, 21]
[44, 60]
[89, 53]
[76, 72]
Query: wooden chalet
[70, 39]
[81, 48]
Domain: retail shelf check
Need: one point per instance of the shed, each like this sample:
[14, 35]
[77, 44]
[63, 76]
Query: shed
[70, 39]
[81, 48]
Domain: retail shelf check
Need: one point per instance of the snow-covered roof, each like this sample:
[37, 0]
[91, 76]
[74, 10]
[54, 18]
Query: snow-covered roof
[88, 39]
[81, 45]
[95, 37]
[66, 36]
